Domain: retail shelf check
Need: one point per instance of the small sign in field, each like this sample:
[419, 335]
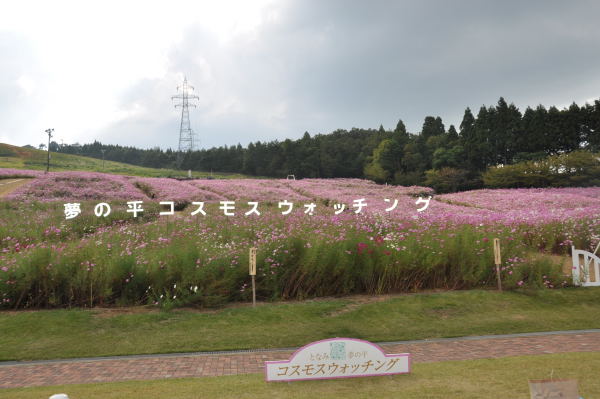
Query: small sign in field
[497, 261]
[337, 358]
[252, 257]
[252, 272]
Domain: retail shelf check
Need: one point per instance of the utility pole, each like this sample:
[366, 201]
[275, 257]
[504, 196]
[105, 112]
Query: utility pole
[186, 135]
[102, 151]
[49, 131]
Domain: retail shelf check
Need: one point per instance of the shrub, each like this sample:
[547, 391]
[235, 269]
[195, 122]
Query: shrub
[449, 180]
[575, 169]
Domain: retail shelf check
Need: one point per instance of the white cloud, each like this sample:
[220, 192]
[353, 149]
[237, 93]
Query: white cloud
[88, 53]
[26, 84]
[266, 69]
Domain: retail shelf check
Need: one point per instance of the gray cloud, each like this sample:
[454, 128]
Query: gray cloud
[318, 66]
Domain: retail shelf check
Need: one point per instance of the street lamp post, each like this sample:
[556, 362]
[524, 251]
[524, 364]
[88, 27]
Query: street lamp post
[49, 131]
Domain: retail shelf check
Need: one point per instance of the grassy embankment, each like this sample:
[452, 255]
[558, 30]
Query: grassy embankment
[50, 334]
[26, 158]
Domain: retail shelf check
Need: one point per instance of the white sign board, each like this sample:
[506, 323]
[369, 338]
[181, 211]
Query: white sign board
[586, 268]
[337, 358]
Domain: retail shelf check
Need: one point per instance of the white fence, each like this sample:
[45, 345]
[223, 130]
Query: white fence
[586, 268]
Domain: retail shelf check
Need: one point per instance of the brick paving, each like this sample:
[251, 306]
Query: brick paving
[77, 371]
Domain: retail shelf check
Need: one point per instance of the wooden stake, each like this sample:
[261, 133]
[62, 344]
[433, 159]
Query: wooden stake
[253, 292]
[252, 272]
[498, 261]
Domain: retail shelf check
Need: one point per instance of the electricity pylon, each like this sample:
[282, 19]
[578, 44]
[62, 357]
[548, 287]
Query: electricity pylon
[186, 134]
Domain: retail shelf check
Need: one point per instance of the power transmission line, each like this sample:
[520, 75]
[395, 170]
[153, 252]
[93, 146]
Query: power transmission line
[187, 140]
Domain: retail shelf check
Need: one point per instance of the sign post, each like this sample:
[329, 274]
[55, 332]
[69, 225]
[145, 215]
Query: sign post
[553, 389]
[337, 358]
[252, 272]
[498, 261]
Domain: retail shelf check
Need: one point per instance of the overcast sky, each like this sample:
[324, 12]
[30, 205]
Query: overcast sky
[267, 70]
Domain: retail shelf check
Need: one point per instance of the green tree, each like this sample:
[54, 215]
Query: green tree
[448, 157]
[483, 144]
[592, 127]
[452, 134]
[468, 139]
[385, 161]
[446, 180]
[504, 133]
[432, 127]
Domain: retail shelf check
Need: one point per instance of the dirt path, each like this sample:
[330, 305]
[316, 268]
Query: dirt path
[147, 367]
[7, 186]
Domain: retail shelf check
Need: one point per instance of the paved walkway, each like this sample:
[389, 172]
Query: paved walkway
[145, 367]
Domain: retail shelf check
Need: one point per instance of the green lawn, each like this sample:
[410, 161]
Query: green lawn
[26, 158]
[52, 334]
[485, 378]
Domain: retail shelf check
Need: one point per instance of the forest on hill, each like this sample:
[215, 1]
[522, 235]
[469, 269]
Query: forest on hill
[448, 159]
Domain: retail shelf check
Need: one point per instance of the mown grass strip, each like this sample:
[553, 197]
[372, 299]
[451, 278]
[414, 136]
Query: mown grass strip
[51, 334]
[484, 378]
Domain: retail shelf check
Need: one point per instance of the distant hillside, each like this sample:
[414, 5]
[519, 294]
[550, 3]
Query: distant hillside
[26, 158]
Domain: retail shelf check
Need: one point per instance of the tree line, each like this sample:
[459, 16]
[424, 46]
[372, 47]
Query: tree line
[449, 158]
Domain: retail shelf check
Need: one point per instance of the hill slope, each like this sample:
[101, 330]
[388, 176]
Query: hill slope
[25, 158]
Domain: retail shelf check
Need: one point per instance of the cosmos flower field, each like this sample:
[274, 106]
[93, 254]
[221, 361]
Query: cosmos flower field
[202, 260]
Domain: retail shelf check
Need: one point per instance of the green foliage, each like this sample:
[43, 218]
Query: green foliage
[498, 135]
[385, 161]
[414, 178]
[414, 159]
[575, 169]
[448, 157]
[400, 130]
[375, 172]
[541, 272]
[432, 127]
[71, 159]
[447, 180]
